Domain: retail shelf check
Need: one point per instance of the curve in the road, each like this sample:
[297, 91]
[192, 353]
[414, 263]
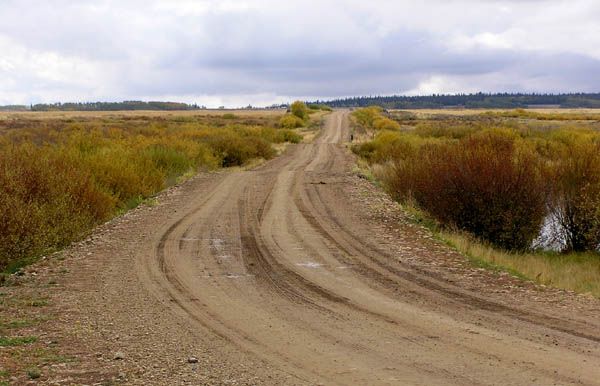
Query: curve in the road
[274, 262]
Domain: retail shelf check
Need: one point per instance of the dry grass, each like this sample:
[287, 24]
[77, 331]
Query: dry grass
[579, 272]
[426, 113]
[59, 177]
[43, 115]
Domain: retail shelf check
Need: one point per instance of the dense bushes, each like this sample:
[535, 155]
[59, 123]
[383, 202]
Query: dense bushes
[319, 106]
[488, 184]
[300, 110]
[366, 116]
[501, 184]
[82, 173]
[372, 118]
[290, 121]
[45, 200]
[298, 116]
[575, 199]
[389, 146]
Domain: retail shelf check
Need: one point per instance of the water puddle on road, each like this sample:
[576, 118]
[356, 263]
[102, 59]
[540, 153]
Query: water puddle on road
[229, 276]
[310, 264]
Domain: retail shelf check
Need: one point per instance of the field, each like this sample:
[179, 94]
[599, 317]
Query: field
[516, 190]
[63, 173]
[245, 113]
[423, 113]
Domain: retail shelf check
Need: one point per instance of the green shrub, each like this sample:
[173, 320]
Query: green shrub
[385, 124]
[34, 373]
[290, 121]
[323, 107]
[290, 136]
[299, 109]
[366, 116]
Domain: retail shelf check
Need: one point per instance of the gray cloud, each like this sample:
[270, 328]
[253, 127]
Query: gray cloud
[238, 52]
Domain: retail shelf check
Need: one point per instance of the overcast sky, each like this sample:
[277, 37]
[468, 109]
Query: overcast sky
[235, 53]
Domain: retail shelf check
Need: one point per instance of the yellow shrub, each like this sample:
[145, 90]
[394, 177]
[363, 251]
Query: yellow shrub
[58, 179]
[290, 121]
[385, 124]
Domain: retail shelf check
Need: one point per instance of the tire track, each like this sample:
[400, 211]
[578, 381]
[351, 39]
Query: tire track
[285, 237]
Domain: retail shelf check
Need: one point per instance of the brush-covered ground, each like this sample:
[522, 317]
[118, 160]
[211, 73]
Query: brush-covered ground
[514, 190]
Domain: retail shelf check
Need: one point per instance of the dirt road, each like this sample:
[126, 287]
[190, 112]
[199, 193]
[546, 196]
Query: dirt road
[277, 276]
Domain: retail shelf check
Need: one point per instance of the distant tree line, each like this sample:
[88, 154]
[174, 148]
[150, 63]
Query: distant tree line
[478, 100]
[14, 108]
[114, 106]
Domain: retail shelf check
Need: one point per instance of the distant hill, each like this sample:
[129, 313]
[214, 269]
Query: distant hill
[114, 106]
[479, 100]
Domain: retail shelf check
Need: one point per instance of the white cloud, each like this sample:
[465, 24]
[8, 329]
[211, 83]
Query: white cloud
[257, 51]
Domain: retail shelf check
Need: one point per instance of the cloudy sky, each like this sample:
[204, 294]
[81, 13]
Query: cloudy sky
[236, 53]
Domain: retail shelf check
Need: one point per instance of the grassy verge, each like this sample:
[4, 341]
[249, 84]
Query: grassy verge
[579, 272]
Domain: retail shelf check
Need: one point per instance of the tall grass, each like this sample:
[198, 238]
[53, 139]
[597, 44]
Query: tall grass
[577, 272]
[60, 179]
[545, 116]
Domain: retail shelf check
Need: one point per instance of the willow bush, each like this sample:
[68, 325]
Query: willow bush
[59, 179]
[497, 180]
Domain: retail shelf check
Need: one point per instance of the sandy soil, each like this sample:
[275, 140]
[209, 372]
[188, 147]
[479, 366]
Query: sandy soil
[301, 272]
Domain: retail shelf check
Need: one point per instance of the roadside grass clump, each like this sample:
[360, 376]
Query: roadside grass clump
[385, 124]
[372, 118]
[289, 136]
[33, 373]
[234, 149]
[6, 341]
[59, 179]
[385, 146]
[572, 271]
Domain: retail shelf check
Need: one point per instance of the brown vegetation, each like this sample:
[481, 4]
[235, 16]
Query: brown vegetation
[497, 179]
[61, 177]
